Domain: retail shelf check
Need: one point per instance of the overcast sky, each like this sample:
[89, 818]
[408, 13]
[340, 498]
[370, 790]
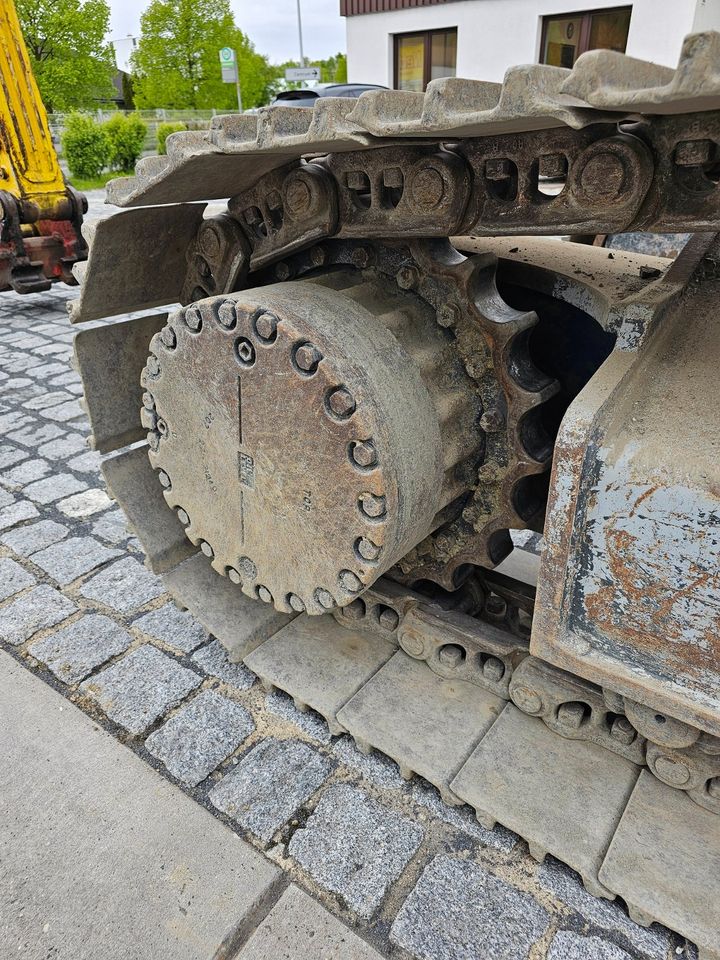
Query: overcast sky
[271, 25]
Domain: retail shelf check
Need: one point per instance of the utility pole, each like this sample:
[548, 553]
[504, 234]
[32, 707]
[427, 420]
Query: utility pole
[302, 55]
[237, 87]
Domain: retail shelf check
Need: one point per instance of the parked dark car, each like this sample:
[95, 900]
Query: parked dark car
[306, 96]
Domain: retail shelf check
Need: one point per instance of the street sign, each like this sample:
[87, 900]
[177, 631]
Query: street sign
[230, 72]
[302, 73]
[228, 64]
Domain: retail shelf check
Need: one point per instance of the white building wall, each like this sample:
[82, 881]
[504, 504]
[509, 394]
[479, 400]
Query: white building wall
[496, 34]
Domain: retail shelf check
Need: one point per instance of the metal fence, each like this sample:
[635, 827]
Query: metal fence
[196, 119]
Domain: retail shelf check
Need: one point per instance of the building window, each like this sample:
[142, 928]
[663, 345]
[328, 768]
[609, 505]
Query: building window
[565, 37]
[422, 57]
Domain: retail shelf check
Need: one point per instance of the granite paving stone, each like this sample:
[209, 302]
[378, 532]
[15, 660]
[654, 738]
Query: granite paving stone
[13, 420]
[140, 687]
[54, 488]
[47, 400]
[75, 651]
[6, 498]
[86, 462]
[200, 735]
[16, 513]
[32, 436]
[270, 784]
[66, 446]
[64, 412]
[111, 526]
[462, 818]
[24, 541]
[69, 559]
[214, 661]
[85, 503]
[13, 578]
[26, 472]
[178, 628]
[355, 847]
[10, 455]
[375, 767]
[460, 911]
[39, 609]
[653, 942]
[123, 586]
[566, 945]
[311, 723]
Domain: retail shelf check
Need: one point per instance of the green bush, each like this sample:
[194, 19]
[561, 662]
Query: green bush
[85, 146]
[163, 132]
[126, 136]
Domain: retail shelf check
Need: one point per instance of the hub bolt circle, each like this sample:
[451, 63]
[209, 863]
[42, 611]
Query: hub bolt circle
[183, 517]
[233, 575]
[164, 480]
[264, 594]
[206, 549]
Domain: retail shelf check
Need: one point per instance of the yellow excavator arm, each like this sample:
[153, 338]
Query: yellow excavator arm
[40, 235]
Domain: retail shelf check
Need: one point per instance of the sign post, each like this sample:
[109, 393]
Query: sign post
[230, 72]
[303, 73]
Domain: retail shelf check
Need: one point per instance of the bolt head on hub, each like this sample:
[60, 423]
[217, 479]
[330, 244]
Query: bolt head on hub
[266, 326]
[367, 549]
[307, 357]
[371, 505]
[341, 403]
[364, 453]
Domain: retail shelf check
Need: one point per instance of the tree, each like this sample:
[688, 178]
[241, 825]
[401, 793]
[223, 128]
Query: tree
[332, 70]
[176, 63]
[73, 64]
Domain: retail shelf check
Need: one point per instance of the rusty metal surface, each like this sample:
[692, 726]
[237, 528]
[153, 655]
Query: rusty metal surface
[629, 593]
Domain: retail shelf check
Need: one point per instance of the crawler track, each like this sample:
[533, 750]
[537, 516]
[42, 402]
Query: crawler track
[446, 688]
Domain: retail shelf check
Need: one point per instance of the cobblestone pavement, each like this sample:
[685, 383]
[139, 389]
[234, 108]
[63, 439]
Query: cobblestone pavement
[77, 606]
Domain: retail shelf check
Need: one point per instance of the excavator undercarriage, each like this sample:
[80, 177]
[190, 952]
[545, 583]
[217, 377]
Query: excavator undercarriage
[385, 361]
